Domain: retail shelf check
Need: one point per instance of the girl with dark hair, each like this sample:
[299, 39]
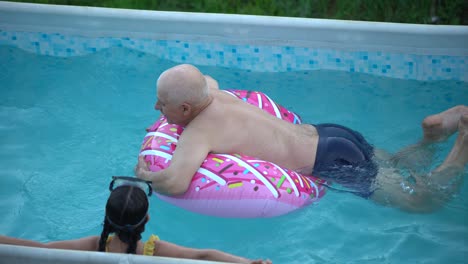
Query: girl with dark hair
[126, 217]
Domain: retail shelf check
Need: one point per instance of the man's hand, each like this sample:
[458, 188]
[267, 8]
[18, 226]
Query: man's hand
[141, 169]
[163, 183]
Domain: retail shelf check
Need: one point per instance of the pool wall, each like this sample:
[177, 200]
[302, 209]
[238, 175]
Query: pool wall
[256, 43]
[27, 255]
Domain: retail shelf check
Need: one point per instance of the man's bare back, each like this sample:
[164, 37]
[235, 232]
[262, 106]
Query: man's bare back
[231, 125]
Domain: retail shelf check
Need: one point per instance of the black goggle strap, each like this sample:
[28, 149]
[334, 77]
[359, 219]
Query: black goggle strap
[125, 227]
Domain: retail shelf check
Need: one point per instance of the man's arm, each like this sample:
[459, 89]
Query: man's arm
[190, 153]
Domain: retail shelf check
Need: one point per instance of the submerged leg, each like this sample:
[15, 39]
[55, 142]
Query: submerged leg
[427, 193]
[436, 128]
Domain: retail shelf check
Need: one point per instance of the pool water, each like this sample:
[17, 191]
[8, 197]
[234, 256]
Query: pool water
[68, 124]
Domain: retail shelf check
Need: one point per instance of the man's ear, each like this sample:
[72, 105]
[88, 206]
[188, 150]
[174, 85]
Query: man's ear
[186, 108]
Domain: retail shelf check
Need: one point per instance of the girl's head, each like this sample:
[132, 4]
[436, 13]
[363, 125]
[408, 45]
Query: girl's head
[126, 216]
[126, 209]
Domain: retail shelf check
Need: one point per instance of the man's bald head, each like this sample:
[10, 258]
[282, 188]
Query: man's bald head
[183, 83]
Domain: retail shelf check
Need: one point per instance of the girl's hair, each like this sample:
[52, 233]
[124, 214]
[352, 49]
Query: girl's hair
[126, 215]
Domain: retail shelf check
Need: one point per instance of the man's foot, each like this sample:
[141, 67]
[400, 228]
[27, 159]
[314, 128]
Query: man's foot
[458, 156]
[440, 126]
[462, 140]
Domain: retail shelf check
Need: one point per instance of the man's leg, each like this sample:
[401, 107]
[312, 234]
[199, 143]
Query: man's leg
[429, 193]
[440, 126]
[458, 156]
[436, 128]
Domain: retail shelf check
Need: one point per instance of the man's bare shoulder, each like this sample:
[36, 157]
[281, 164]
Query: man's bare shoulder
[212, 119]
[200, 127]
[212, 83]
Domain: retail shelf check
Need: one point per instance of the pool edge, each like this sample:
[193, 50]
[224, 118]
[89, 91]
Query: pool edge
[93, 21]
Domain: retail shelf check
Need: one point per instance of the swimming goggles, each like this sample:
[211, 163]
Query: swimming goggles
[118, 181]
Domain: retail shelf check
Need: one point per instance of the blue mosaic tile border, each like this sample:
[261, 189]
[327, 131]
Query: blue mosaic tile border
[253, 57]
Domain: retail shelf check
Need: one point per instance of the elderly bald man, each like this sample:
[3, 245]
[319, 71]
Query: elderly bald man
[212, 119]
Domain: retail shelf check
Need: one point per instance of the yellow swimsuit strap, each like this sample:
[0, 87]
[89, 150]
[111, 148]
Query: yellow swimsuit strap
[148, 249]
[109, 238]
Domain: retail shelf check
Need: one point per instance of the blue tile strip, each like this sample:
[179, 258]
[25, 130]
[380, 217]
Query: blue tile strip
[253, 57]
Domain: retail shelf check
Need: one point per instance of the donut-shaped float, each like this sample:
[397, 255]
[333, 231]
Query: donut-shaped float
[234, 185]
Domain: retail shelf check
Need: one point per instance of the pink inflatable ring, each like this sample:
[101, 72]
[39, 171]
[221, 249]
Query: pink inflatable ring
[233, 185]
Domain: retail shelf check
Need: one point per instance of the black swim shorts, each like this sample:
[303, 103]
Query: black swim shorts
[345, 157]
